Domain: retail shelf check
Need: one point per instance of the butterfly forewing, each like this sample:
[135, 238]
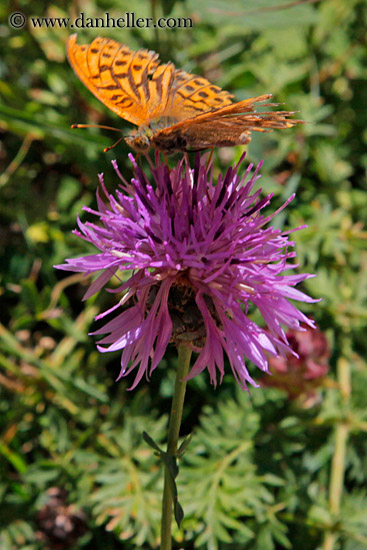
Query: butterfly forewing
[117, 76]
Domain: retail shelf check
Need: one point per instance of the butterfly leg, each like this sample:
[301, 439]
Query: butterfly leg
[210, 158]
[187, 158]
[166, 160]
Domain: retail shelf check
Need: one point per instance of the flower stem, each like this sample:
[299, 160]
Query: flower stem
[338, 460]
[184, 356]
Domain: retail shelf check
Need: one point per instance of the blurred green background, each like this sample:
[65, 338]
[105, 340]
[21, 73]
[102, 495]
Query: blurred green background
[261, 473]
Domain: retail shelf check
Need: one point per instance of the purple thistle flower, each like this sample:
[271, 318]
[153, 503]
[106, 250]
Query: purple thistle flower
[200, 257]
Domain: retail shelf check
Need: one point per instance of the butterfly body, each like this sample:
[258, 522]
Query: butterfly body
[173, 110]
[142, 139]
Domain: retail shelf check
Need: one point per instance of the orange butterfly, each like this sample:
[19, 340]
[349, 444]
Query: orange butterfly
[174, 110]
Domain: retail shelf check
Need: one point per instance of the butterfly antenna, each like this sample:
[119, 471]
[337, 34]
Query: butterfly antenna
[95, 126]
[112, 146]
[103, 128]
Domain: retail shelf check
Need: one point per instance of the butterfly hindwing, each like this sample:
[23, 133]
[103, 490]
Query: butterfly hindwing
[191, 95]
[228, 126]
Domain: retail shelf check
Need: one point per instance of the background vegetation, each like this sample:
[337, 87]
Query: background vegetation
[264, 473]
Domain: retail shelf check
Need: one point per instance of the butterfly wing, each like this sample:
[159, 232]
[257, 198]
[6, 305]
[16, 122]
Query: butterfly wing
[139, 89]
[227, 126]
[131, 84]
[191, 95]
[196, 113]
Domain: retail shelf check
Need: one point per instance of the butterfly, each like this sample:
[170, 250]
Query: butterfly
[173, 110]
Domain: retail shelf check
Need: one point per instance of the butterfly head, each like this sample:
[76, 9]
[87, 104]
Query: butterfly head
[140, 141]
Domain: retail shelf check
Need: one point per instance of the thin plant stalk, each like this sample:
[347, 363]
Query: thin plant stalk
[184, 356]
[338, 461]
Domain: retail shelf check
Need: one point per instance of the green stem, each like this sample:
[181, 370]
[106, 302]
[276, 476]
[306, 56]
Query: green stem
[338, 461]
[184, 356]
